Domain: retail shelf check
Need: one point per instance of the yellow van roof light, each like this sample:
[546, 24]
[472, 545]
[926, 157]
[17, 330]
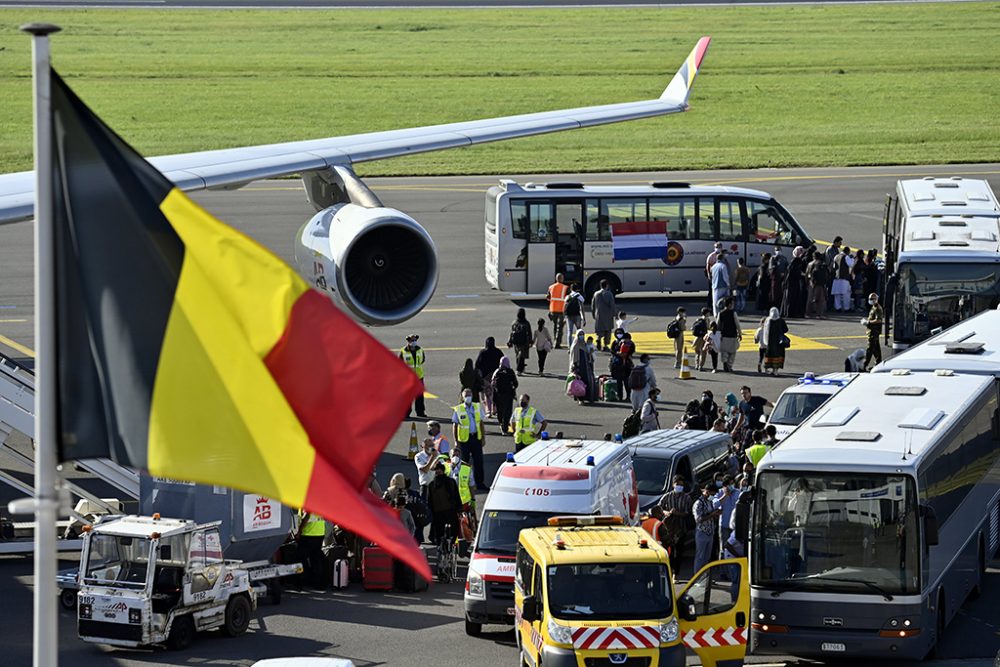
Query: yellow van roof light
[573, 521]
[559, 542]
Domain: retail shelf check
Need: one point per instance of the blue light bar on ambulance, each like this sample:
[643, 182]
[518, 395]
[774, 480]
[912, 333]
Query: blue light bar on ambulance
[571, 521]
[809, 379]
[510, 457]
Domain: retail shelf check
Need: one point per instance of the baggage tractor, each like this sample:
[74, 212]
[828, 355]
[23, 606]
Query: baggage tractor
[341, 573]
[376, 569]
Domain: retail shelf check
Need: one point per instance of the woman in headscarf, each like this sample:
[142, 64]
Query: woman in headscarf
[794, 302]
[504, 389]
[775, 329]
[471, 379]
[487, 363]
[581, 364]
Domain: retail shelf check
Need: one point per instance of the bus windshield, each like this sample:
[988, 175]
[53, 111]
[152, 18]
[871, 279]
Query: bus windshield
[792, 409]
[843, 532]
[500, 529]
[609, 591]
[932, 295]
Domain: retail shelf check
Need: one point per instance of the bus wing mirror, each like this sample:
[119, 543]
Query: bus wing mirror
[686, 608]
[529, 609]
[930, 526]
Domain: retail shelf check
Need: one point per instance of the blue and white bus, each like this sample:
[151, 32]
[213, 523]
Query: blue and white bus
[875, 519]
[534, 231]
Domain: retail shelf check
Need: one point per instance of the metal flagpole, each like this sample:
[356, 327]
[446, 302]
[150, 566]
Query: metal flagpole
[45, 638]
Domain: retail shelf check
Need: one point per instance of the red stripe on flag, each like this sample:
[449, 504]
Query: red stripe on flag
[639, 227]
[349, 393]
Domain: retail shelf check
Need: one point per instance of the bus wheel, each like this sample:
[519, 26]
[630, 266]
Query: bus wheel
[594, 284]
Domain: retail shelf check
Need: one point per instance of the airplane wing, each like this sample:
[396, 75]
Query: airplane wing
[234, 167]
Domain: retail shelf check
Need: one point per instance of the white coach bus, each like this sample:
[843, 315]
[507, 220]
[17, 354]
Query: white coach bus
[534, 231]
[941, 240]
[875, 519]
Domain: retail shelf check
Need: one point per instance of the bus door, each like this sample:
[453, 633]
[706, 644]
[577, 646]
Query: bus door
[541, 246]
[569, 239]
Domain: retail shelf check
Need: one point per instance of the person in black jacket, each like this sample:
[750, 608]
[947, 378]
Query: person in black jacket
[445, 503]
[487, 362]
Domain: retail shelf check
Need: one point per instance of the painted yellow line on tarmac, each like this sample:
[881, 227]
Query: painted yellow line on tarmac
[5, 321]
[17, 346]
[428, 394]
[656, 342]
[448, 310]
[836, 337]
[452, 349]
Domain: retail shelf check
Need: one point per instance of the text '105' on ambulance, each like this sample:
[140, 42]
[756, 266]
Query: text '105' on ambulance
[592, 591]
[545, 479]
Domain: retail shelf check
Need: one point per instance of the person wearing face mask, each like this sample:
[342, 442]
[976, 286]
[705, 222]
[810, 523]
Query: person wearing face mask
[726, 498]
[676, 505]
[581, 364]
[706, 518]
[527, 423]
[440, 442]
[413, 356]
[649, 415]
[461, 472]
[467, 419]
[874, 325]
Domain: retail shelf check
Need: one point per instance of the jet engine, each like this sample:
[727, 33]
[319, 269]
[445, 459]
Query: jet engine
[377, 261]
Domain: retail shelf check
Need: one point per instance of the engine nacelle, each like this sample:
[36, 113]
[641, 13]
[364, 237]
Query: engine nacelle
[378, 262]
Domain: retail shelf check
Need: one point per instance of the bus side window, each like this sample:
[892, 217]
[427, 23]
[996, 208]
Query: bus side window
[598, 228]
[708, 226]
[730, 220]
[677, 213]
[540, 222]
[519, 219]
[767, 223]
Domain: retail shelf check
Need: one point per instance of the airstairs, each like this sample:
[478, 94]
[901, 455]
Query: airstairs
[17, 415]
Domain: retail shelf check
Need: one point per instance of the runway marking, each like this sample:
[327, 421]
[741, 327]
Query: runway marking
[836, 337]
[656, 342]
[452, 349]
[440, 310]
[428, 394]
[17, 346]
[461, 296]
[9, 321]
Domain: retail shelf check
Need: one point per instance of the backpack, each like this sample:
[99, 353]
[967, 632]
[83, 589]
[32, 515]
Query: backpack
[637, 378]
[674, 329]
[520, 333]
[820, 274]
[503, 381]
[632, 425]
[699, 329]
[615, 365]
[572, 308]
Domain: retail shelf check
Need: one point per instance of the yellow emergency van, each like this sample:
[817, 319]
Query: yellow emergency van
[592, 592]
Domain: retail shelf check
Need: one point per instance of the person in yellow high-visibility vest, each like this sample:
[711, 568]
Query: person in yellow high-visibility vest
[413, 356]
[527, 423]
[461, 472]
[311, 533]
[469, 435]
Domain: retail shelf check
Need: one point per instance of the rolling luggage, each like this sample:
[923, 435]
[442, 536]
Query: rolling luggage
[376, 569]
[407, 580]
[341, 573]
[609, 390]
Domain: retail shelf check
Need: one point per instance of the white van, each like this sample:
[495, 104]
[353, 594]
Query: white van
[803, 398]
[548, 478]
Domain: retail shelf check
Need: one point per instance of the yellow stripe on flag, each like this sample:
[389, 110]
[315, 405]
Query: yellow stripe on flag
[217, 413]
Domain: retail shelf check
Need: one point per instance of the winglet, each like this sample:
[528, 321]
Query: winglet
[680, 85]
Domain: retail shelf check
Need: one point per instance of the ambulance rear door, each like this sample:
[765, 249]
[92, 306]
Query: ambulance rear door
[714, 610]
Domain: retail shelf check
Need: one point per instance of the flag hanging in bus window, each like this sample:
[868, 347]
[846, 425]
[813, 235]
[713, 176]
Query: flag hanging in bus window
[639, 240]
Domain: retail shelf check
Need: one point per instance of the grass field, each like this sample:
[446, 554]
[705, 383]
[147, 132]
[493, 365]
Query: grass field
[781, 86]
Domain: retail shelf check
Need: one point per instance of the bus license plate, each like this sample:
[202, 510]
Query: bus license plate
[510, 611]
[830, 646]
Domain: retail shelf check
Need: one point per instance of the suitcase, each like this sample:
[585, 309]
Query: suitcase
[601, 379]
[609, 390]
[341, 573]
[376, 569]
[407, 580]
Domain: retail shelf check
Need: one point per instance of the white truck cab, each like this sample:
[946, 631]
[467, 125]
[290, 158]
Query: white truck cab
[803, 398]
[146, 580]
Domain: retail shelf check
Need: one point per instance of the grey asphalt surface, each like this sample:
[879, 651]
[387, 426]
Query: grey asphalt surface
[373, 628]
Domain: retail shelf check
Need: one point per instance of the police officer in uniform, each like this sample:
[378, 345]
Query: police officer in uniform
[413, 356]
[874, 324]
[523, 423]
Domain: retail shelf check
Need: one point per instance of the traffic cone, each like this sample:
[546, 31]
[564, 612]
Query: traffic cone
[685, 372]
[414, 447]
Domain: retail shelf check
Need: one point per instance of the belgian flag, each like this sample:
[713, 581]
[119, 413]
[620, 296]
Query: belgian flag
[188, 350]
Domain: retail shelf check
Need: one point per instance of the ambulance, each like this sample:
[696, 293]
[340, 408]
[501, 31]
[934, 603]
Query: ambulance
[549, 477]
[592, 591]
